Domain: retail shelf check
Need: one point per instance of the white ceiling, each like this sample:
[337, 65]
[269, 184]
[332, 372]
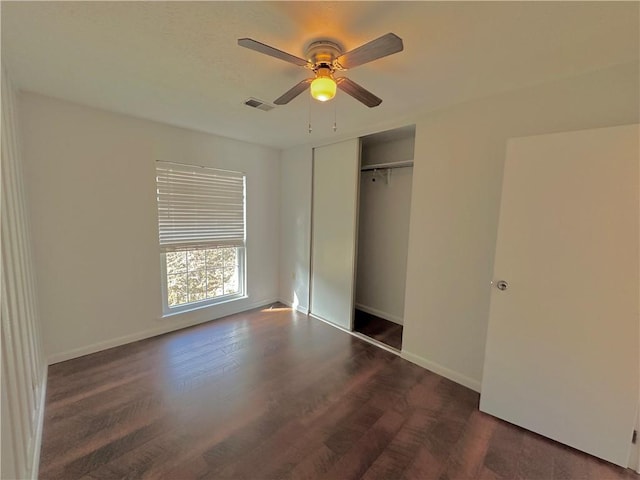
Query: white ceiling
[178, 62]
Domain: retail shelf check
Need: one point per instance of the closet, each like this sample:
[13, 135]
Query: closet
[360, 226]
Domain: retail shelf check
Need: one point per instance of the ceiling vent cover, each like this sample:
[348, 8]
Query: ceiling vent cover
[259, 104]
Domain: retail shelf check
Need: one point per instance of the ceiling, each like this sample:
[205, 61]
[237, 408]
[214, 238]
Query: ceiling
[178, 62]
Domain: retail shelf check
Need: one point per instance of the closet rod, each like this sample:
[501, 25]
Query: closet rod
[381, 166]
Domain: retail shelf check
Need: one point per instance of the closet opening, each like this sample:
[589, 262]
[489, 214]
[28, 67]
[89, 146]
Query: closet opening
[384, 204]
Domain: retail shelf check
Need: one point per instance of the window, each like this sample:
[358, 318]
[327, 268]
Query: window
[201, 223]
[201, 275]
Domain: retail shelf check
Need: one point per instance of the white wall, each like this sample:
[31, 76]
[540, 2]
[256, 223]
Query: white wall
[90, 177]
[459, 157]
[383, 231]
[396, 150]
[457, 178]
[24, 369]
[295, 226]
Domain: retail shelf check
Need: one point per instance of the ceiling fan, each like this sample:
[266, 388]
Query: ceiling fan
[324, 58]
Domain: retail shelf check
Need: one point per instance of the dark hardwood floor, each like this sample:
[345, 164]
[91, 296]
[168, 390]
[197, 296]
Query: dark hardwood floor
[378, 328]
[272, 394]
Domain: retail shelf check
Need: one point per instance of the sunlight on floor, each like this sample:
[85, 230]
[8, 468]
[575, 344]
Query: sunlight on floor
[276, 308]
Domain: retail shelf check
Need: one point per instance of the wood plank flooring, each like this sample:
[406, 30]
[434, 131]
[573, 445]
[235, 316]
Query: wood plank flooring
[378, 328]
[272, 394]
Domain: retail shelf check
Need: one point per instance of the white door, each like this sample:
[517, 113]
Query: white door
[562, 346]
[336, 170]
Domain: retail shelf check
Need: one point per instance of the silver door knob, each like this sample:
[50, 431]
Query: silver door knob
[502, 285]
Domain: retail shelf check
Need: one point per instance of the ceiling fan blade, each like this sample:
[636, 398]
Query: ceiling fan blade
[356, 91]
[294, 92]
[274, 52]
[378, 48]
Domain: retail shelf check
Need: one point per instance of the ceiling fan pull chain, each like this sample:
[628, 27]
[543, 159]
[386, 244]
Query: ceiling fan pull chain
[309, 113]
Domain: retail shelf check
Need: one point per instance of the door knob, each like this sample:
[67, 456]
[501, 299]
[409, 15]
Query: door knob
[502, 285]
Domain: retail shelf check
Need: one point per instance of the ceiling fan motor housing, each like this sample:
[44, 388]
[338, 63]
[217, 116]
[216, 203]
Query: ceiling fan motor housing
[322, 55]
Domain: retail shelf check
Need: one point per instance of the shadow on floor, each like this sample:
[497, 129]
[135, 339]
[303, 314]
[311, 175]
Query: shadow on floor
[378, 328]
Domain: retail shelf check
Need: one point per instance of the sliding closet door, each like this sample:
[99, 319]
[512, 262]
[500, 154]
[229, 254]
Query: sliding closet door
[336, 171]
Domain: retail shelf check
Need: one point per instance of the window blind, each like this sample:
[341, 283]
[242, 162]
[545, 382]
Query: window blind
[199, 207]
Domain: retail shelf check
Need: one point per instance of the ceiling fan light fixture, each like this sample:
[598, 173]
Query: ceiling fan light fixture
[323, 88]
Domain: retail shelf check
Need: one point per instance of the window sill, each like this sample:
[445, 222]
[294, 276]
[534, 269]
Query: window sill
[202, 307]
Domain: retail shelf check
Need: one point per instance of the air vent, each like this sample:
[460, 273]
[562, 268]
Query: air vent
[259, 104]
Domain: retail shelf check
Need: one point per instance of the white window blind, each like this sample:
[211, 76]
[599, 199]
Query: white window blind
[199, 207]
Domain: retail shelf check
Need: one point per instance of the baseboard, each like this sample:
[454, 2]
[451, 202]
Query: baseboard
[298, 308]
[37, 438]
[166, 328]
[380, 313]
[443, 371]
